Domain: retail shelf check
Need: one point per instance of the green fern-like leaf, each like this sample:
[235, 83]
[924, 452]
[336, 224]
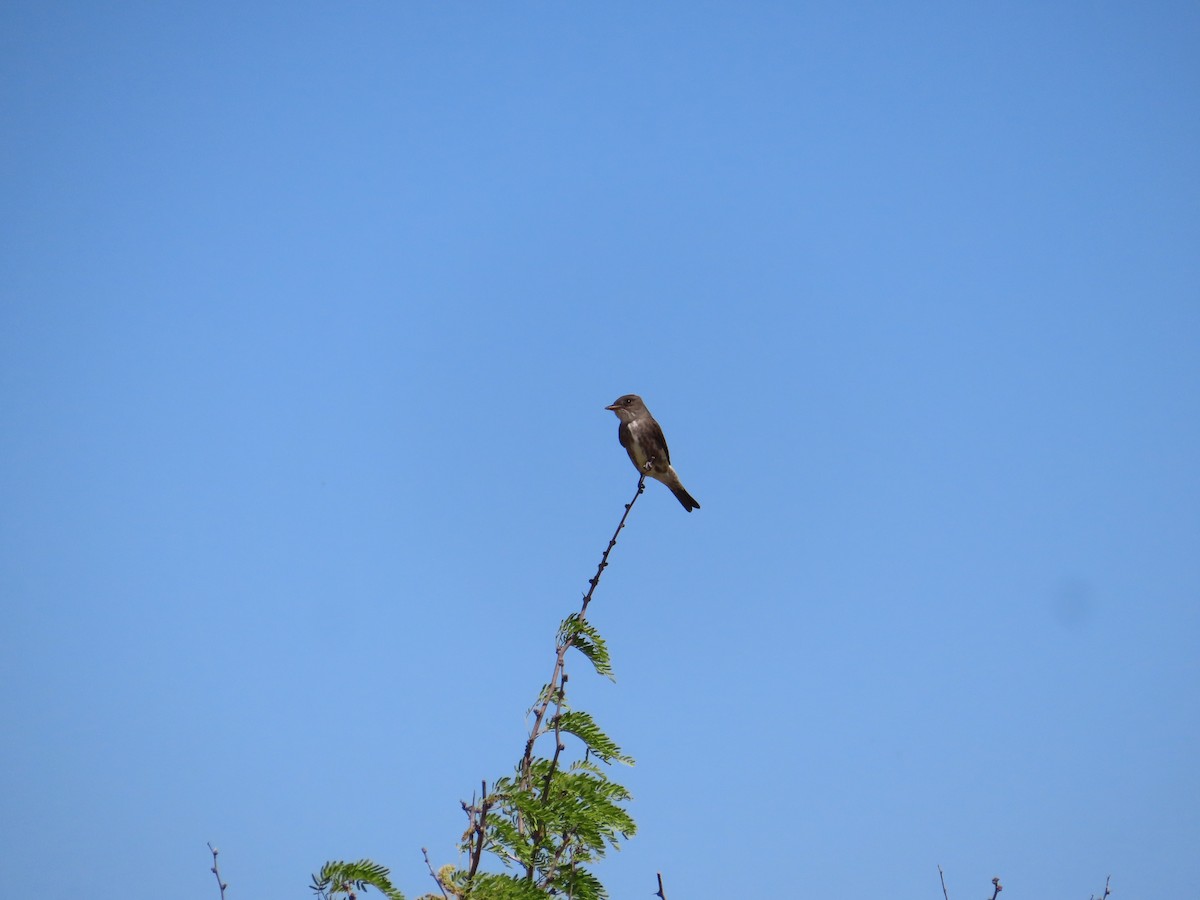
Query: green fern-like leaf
[341, 877]
[587, 640]
[504, 887]
[580, 805]
[580, 884]
[507, 842]
[584, 727]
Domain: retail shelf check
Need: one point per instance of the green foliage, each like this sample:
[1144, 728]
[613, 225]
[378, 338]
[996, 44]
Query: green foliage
[581, 884]
[597, 742]
[584, 637]
[505, 887]
[550, 820]
[344, 877]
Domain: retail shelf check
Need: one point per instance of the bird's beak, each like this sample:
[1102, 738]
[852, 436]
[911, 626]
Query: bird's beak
[613, 407]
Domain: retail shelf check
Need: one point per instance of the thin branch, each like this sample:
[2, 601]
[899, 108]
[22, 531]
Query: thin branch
[555, 861]
[554, 686]
[434, 875]
[216, 870]
[559, 746]
[660, 892]
[552, 694]
[612, 543]
[480, 831]
[999, 887]
[1104, 896]
[942, 875]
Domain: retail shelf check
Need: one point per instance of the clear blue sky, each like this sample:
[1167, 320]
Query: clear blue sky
[309, 315]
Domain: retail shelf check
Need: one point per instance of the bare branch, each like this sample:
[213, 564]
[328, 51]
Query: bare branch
[216, 869]
[942, 875]
[481, 831]
[999, 887]
[660, 892]
[612, 543]
[434, 875]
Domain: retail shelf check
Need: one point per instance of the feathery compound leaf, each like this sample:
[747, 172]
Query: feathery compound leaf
[505, 887]
[582, 725]
[580, 884]
[506, 841]
[586, 807]
[587, 640]
[343, 877]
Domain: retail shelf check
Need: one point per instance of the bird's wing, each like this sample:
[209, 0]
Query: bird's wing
[657, 437]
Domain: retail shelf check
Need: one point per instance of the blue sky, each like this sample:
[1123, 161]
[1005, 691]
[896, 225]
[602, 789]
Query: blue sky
[309, 315]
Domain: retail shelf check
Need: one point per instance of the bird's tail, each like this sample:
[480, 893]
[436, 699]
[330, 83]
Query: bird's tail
[677, 488]
[688, 501]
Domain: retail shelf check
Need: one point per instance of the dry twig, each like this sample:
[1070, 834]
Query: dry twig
[1104, 896]
[216, 870]
[434, 875]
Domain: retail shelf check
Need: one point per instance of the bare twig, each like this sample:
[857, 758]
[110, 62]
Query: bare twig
[437, 879]
[660, 892]
[1104, 896]
[480, 826]
[612, 543]
[942, 875]
[999, 887]
[216, 870]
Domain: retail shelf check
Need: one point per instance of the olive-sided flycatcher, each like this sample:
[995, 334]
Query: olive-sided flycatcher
[643, 440]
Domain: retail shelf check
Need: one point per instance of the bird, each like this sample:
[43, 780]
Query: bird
[643, 440]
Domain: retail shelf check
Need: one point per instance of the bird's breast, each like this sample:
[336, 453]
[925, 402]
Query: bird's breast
[636, 448]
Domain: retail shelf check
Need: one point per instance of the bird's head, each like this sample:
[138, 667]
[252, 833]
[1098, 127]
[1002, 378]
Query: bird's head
[627, 407]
